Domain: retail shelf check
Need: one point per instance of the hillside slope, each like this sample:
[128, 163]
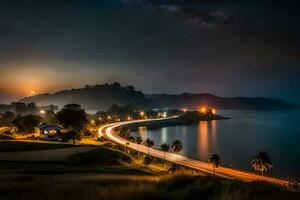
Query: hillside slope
[101, 97]
[98, 97]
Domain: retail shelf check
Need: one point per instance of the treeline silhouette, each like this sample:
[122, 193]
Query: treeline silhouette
[101, 97]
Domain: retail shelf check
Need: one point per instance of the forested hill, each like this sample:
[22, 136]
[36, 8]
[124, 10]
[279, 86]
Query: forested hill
[194, 100]
[97, 97]
[100, 97]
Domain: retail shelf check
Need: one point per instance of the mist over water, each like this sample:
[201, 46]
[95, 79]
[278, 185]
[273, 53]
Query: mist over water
[238, 139]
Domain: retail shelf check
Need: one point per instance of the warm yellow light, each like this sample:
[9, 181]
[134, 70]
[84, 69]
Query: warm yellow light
[128, 118]
[214, 111]
[93, 122]
[184, 110]
[32, 92]
[42, 112]
[203, 109]
[142, 113]
[108, 117]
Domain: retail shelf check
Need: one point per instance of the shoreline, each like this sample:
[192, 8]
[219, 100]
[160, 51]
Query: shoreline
[179, 121]
[222, 171]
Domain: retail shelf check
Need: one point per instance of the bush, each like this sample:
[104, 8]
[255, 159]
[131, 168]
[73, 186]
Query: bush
[27, 123]
[148, 160]
[71, 135]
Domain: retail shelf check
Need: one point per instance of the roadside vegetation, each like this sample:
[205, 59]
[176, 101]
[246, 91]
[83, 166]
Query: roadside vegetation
[107, 173]
[80, 167]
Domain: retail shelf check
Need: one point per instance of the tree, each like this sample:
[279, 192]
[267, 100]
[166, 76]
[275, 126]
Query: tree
[148, 160]
[126, 144]
[7, 118]
[27, 123]
[19, 107]
[71, 135]
[149, 143]
[139, 141]
[174, 168]
[177, 147]
[31, 108]
[131, 138]
[8, 115]
[215, 161]
[261, 162]
[72, 115]
[129, 87]
[49, 117]
[165, 148]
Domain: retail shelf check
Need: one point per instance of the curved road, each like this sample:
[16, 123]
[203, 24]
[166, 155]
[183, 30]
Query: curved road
[108, 131]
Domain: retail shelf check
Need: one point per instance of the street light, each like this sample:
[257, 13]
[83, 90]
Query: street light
[214, 111]
[142, 113]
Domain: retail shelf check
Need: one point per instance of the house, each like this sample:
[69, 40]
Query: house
[48, 131]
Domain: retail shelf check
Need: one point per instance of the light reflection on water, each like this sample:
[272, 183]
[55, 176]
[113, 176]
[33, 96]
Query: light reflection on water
[203, 139]
[238, 139]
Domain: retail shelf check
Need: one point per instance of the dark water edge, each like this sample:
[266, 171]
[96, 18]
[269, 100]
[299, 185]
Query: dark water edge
[239, 138]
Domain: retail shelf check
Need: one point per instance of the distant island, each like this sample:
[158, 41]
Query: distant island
[101, 97]
[188, 118]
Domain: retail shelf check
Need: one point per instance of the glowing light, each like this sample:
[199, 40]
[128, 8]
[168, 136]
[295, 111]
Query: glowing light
[142, 113]
[42, 112]
[214, 111]
[128, 118]
[108, 117]
[93, 122]
[203, 110]
[32, 92]
[164, 114]
[184, 110]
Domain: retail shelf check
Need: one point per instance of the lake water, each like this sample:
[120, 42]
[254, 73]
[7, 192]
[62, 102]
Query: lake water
[238, 139]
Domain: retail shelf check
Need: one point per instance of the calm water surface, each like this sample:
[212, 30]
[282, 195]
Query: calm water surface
[236, 140]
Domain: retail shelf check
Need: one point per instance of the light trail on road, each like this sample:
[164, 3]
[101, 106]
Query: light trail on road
[108, 131]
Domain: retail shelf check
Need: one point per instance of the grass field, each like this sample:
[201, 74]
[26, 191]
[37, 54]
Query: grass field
[10, 146]
[102, 173]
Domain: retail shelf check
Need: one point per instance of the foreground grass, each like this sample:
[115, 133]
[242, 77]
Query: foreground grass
[129, 187]
[104, 173]
[9, 146]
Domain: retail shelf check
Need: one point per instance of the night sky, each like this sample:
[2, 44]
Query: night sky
[227, 48]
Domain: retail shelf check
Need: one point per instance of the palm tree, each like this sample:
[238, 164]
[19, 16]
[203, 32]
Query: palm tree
[215, 161]
[177, 147]
[139, 141]
[174, 168]
[126, 144]
[261, 162]
[165, 148]
[149, 143]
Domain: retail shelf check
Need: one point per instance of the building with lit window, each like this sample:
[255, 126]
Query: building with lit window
[48, 131]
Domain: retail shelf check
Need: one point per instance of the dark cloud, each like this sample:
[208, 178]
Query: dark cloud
[231, 48]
